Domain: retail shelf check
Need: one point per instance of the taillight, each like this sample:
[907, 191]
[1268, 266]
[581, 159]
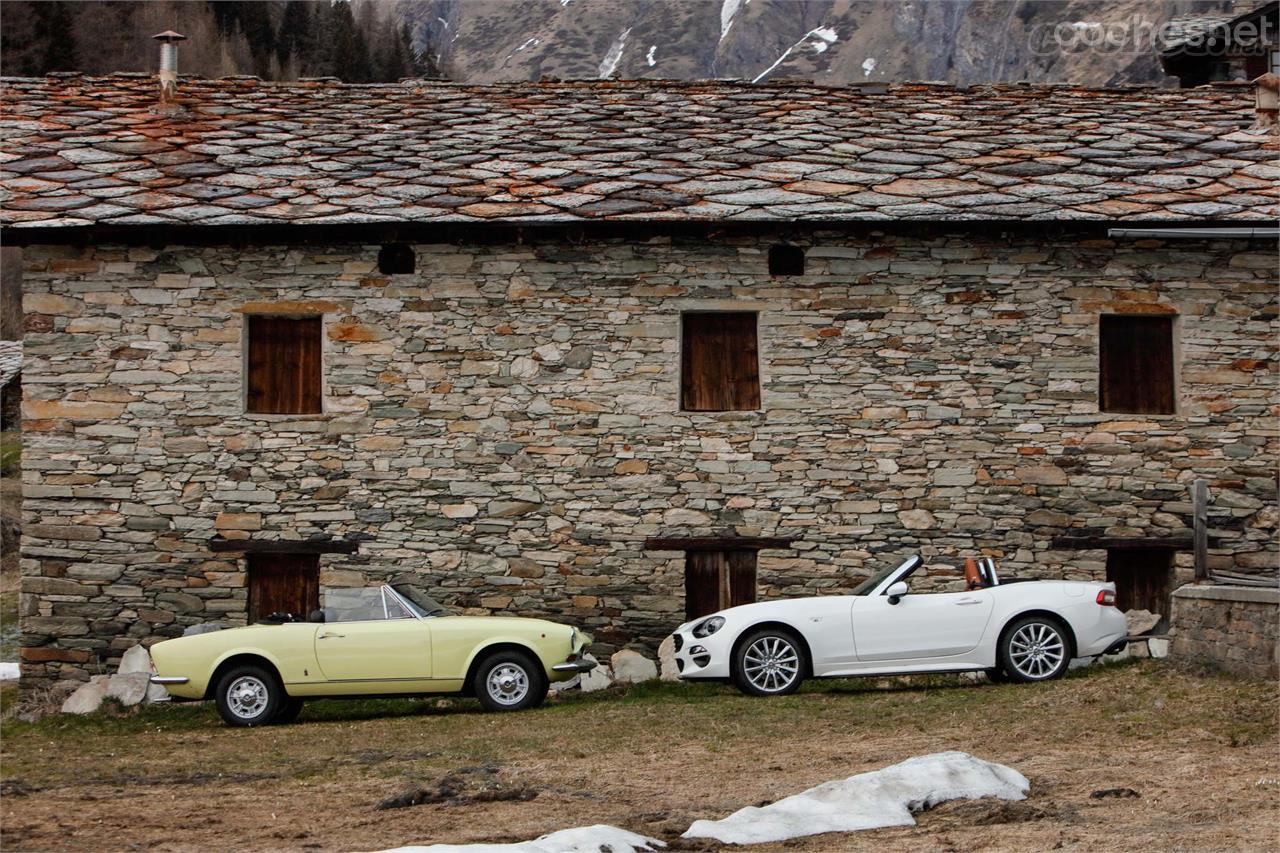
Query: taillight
[1106, 597]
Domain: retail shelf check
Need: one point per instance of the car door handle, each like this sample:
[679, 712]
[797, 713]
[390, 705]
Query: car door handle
[327, 636]
[967, 602]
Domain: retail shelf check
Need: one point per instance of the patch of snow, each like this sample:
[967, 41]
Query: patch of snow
[728, 11]
[648, 57]
[532, 41]
[614, 56]
[443, 21]
[868, 65]
[600, 838]
[885, 797]
[825, 37]
[9, 671]
[565, 2]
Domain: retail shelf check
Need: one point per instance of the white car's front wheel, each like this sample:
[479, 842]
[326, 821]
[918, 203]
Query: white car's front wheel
[768, 662]
[1035, 648]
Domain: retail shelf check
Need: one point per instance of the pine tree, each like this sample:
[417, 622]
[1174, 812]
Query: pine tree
[54, 27]
[294, 37]
[350, 54]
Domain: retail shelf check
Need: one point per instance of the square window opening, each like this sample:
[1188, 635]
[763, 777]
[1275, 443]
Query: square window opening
[284, 373]
[396, 259]
[714, 580]
[1136, 365]
[786, 260]
[719, 362]
[283, 583]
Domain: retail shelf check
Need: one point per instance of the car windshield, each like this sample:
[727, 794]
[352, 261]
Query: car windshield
[423, 604]
[361, 604]
[875, 580]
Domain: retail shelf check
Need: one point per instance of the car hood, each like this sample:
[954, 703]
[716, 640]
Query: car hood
[757, 611]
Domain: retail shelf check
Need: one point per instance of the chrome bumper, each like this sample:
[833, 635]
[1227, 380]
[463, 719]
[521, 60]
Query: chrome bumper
[169, 679]
[574, 666]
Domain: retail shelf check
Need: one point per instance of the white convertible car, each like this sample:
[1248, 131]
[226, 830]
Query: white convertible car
[1019, 630]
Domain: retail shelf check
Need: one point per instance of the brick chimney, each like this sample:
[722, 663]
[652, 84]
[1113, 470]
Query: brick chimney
[168, 64]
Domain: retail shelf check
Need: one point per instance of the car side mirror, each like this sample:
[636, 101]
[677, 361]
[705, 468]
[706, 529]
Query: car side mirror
[896, 591]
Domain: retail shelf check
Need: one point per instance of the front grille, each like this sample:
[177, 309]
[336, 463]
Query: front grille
[677, 641]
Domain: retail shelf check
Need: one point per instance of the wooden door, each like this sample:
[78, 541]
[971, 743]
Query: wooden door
[283, 583]
[714, 580]
[1143, 578]
[1135, 363]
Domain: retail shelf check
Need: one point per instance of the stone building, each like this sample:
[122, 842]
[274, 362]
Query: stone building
[617, 351]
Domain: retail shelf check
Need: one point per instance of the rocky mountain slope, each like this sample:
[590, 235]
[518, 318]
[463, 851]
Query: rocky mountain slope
[835, 41]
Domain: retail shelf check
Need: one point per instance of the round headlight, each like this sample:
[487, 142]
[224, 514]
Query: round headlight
[708, 627]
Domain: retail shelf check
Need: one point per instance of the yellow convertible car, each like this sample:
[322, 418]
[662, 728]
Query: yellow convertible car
[370, 641]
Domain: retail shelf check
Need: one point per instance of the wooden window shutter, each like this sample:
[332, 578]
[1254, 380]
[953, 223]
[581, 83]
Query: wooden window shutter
[1135, 364]
[719, 362]
[283, 583]
[284, 365]
[715, 580]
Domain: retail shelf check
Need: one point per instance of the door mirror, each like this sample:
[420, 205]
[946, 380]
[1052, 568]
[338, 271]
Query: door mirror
[896, 591]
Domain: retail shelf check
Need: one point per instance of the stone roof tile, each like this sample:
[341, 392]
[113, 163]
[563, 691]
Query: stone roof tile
[78, 150]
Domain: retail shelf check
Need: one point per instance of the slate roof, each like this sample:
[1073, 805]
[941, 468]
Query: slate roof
[1196, 26]
[78, 150]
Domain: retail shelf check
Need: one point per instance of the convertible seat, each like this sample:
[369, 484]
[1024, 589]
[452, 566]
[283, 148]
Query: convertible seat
[972, 577]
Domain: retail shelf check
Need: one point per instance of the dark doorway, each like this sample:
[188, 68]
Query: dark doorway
[714, 580]
[283, 583]
[1143, 579]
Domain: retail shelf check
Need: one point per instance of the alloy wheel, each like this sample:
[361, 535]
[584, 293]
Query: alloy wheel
[1036, 650]
[771, 664]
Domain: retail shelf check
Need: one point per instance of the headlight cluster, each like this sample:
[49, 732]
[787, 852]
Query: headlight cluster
[708, 627]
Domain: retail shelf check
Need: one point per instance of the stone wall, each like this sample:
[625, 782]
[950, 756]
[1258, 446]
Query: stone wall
[505, 421]
[1234, 628]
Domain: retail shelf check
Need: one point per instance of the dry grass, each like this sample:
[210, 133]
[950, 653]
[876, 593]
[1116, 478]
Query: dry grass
[654, 758]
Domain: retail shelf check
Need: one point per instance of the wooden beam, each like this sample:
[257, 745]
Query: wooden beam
[1086, 543]
[284, 546]
[714, 543]
[1200, 527]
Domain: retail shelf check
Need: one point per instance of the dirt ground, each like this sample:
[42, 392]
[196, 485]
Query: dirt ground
[1198, 751]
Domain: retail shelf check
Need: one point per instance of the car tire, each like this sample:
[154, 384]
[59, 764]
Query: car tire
[249, 696]
[509, 681]
[289, 711]
[1035, 648]
[768, 662]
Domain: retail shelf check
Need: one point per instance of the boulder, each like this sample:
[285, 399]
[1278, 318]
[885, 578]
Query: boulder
[202, 628]
[632, 667]
[1158, 646]
[88, 697]
[597, 679]
[1140, 621]
[128, 688]
[136, 659]
[667, 660]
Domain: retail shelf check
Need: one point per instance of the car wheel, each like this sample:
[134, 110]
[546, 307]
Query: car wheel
[289, 711]
[509, 681]
[249, 696]
[1035, 648]
[768, 663]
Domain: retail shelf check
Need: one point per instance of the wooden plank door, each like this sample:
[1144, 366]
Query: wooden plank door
[283, 583]
[714, 580]
[1143, 578]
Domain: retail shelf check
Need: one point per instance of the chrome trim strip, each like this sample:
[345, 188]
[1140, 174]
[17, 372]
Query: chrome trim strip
[169, 679]
[574, 666]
